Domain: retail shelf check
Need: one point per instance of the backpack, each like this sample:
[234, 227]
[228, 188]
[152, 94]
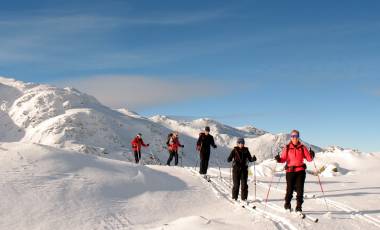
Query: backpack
[169, 137]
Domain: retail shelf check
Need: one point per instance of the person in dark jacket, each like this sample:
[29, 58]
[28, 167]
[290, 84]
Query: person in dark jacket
[136, 143]
[204, 143]
[173, 145]
[240, 156]
[294, 154]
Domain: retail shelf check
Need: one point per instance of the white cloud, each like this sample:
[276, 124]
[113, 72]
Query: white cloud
[177, 19]
[137, 92]
[55, 40]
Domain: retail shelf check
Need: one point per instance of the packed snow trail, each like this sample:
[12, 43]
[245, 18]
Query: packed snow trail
[346, 216]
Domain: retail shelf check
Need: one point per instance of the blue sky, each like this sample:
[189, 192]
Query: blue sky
[277, 65]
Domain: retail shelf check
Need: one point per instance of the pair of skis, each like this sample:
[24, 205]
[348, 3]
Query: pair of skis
[246, 204]
[301, 215]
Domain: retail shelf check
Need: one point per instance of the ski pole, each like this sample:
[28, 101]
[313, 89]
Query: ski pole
[254, 176]
[220, 172]
[181, 158]
[183, 155]
[278, 182]
[270, 185]
[196, 164]
[320, 184]
[217, 162]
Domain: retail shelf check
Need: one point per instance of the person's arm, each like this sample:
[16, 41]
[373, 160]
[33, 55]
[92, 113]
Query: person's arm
[284, 155]
[250, 158]
[307, 154]
[213, 142]
[229, 159]
[133, 143]
[179, 144]
[143, 144]
[199, 142]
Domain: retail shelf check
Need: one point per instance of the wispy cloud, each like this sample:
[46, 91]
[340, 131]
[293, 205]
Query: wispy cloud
[178, 18]
[58, 39]
[138, 92]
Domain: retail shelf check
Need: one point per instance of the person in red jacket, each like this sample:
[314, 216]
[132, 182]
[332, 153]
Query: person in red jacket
[294, 154]
[173, 145]
[136, 143]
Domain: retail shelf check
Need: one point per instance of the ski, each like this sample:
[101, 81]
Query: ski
[313, 219]
[248, 206]
[207, 178]
[244, 204]
[301, 215]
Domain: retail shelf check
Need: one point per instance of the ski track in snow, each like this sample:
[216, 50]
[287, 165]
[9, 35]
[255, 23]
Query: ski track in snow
[223, 191]
[340, 207]
[222, 188]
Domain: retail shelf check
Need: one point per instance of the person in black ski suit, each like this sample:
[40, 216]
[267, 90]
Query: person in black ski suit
[240, 156]
[204, 142]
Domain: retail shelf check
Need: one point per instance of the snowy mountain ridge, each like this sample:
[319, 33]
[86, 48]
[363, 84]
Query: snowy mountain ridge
[67, 118]
[53, 148]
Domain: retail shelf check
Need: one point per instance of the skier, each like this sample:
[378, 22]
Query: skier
[173, 145]
[136, 143]
[294, 154]
[204, 142]
[240, 156]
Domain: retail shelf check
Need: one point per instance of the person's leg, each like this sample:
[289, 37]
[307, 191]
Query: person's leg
[290, 183]
[300, 183]
[176, 157]
[207, 158]
[139, 155]
[244, 184]
[236, 182]
[202, 163]
[136, 157]
[170, 158]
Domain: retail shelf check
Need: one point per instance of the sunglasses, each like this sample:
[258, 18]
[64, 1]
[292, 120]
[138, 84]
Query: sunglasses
[294, 136]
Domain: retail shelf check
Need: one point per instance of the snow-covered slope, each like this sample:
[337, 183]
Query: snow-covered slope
[64, 118]
[261, 143]
[67, 118]
[48, 188]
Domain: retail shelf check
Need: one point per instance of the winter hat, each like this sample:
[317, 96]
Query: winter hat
[139, 135]
[240, 141]
[207, 129]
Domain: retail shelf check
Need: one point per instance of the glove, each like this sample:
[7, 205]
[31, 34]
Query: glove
[147, 145]
[214, 146]
[254, 158]
[312, 154]
[277, 158]
[182, 146]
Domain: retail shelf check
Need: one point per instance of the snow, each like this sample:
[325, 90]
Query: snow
[65, 160]
[49, 188]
